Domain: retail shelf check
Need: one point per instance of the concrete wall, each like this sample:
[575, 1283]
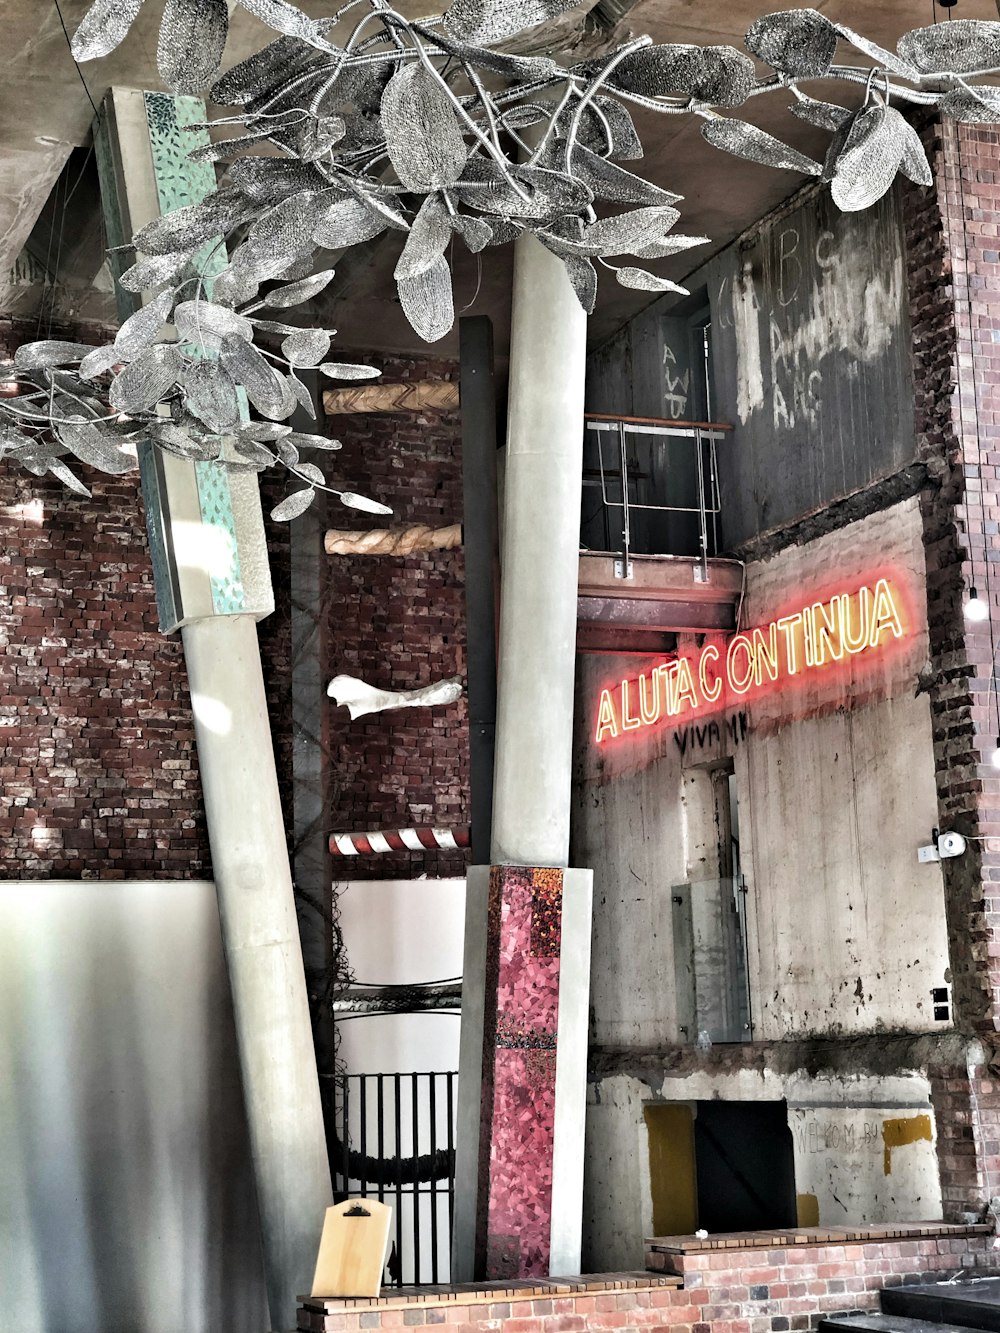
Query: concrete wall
[846, 931]
[128, 1199]
[835, 779]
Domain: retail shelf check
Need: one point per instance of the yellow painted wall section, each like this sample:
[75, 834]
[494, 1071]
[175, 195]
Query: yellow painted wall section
[898, 1133]
[672, 1180]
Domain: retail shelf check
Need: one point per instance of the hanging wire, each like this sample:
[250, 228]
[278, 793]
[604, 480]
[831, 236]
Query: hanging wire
[69, 44]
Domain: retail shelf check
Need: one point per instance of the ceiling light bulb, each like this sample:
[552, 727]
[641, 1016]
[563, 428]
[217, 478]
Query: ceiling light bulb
[975, 608]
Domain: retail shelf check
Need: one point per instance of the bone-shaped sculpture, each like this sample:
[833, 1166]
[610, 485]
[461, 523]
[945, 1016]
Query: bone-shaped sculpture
[361, 698]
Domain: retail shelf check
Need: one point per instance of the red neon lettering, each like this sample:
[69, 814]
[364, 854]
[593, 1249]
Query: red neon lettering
[668, 674]
[884, 614]
[629, 723]
[684, 683]
[820, 633]
[855, 637]
[740, 685]
[709, 692]
[765, 654]
[649, 713]
[788, 626]
[607, 722]
[824, 627]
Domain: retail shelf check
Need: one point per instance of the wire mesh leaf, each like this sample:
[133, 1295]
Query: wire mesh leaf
[427, 240]
[284, 232]
[268, 180]
[218, 152]
[485, 22]
[152, 271]
[798, 42]
[89, 445]
[745, 140]
[210, 395]
[308, 347]
[141, 385]
[606, 128]
[185, 443]
[347, 222]
[622, 233]
[888, 60]
[266, 69]
[309, 471]
[205, 324]
[608, 181]
[265, 388]
[263, 431]
[288, 453]
[824, 115]
[301, 394]
[253, 452]
[192, 39]
[670, 245]
[362, 502]
[977, 106]
[68, 478]
[422, 134]
[319, 135]
[50, 352]
[720, 75]
[141, 329]
[286, 18]
[583, 279]
[914, 165]
[103, 27]
[188, 227]
[514, 67]
[427, 301]
[294, 293]
[304, 440]
[293, 505]
[869, 160]
[960, 46]
[641, 281]
[476, 232]
[340, 370]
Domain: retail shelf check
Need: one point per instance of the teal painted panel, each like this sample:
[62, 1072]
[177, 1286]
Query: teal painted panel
[179, 182]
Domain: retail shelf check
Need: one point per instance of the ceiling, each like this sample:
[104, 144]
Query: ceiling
[45, 112]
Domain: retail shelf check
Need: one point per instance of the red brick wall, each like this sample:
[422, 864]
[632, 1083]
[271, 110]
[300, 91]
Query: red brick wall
[953, 265]
[766, 1290]
[398, 623]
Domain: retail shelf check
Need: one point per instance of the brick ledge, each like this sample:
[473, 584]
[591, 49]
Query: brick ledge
[490, 1293]
[786, 1239]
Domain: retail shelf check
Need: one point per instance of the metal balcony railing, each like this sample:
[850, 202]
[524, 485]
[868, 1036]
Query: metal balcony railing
[617, 475]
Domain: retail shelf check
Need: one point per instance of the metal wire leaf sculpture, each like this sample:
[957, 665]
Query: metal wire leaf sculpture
[426, 129]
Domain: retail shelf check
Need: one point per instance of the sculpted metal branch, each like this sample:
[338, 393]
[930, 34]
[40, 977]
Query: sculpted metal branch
[397, 130]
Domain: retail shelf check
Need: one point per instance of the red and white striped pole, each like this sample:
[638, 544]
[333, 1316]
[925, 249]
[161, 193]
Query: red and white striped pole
[398, 840]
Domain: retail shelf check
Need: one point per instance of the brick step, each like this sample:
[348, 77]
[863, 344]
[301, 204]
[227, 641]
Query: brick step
[973, 1304]
[873, 1322]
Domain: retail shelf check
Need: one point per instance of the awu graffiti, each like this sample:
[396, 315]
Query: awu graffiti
[704, 737]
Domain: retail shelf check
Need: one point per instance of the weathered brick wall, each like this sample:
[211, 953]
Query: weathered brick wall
[97, 752]
[398, 623]
[953, 264]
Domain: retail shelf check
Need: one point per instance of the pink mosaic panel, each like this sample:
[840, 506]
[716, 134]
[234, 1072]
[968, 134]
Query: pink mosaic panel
[519, 1070]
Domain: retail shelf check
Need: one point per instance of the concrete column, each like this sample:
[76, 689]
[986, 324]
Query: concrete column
[519, 1202]
[539, 564]
[263, 954]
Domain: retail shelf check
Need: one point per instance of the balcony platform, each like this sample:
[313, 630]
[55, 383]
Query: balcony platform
[666, 595]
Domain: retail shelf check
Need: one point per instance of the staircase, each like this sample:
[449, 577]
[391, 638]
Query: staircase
[932, 1307]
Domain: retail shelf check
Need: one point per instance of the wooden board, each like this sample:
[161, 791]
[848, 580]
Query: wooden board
[352, 1249]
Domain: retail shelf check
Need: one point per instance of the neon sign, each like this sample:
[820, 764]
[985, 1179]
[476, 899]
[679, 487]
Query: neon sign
[843, 627]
